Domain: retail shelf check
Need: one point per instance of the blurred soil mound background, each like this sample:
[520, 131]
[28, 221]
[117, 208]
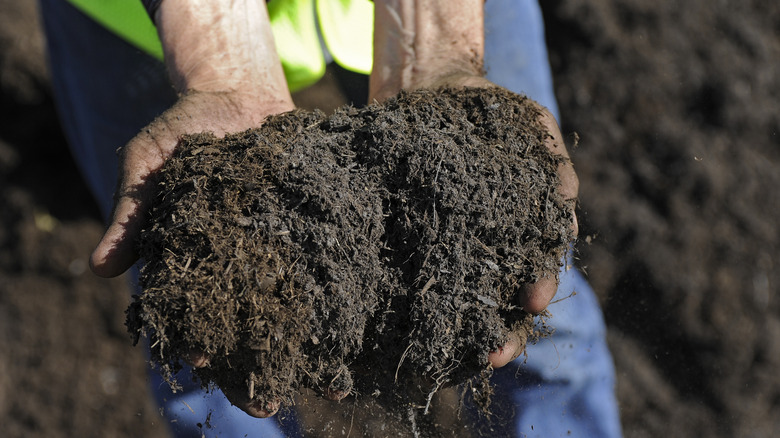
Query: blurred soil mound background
[678, 111]
[678, 108]
[66, 365]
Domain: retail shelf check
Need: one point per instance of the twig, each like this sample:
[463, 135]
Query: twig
[428, 285]
[400, 362]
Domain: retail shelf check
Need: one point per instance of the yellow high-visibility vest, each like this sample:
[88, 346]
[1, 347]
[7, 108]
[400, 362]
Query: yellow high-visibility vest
[346, 26]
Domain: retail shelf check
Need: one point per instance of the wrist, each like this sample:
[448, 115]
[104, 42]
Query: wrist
[248, 106]
[416, 44]
[216, 46]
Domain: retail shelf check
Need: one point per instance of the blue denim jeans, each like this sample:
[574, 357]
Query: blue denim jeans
[106, 91]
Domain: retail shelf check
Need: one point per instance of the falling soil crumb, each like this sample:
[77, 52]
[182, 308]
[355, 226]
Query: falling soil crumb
[378, 251]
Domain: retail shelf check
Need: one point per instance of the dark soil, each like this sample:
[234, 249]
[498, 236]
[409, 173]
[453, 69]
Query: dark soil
[305, 252]
[67, 367]
[677, 107]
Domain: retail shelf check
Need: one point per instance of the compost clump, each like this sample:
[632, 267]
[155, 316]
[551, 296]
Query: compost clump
[378, 250]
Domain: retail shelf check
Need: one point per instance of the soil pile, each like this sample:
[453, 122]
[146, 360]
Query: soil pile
[362, 251]
[679, 163]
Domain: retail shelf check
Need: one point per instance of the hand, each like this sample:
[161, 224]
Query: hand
[535, 297]
[222, 60]
[441, 44]
[144, 155]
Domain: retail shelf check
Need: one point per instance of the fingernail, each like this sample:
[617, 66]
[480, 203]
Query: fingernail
[336, 395]
[264, 410]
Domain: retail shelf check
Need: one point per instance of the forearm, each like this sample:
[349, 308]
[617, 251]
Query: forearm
[418, 42]
[221, 46]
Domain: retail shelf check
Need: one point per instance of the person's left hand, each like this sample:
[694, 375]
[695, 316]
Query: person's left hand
[533, 297]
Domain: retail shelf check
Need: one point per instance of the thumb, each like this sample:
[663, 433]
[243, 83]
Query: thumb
[508, 352]
[143, 156]
[115, 253]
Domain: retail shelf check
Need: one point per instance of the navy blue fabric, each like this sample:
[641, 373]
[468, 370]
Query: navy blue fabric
[105, 89]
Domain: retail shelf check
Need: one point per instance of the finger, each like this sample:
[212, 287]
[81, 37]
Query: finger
[535, 297]
[141, 158]
[260, 409]
[340, 385]
[555, 141]
[115, 253]
[569, 182]
[239, 397]
[507, 352]
[336, 394]
[197, 359]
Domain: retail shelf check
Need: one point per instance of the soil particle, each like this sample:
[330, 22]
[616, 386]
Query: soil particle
[378, 250]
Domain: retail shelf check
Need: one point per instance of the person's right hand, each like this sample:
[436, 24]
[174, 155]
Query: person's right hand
[144, 155]
[222, 60]
[225, 51]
